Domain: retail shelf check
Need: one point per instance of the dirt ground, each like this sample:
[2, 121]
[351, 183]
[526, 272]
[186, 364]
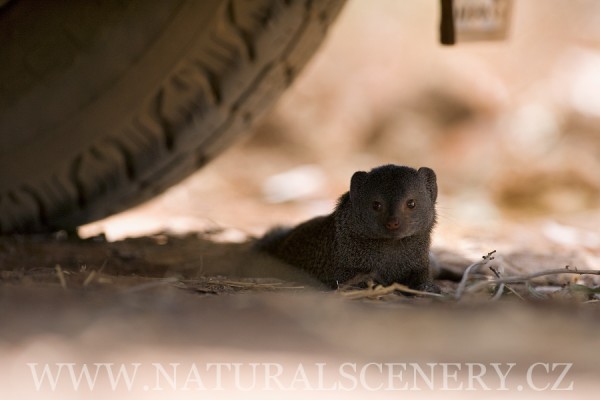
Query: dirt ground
[511, 129]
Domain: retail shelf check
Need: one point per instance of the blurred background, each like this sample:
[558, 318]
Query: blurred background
[512, 129]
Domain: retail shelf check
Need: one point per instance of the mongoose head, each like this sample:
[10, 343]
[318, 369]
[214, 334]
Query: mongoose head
[393, 202]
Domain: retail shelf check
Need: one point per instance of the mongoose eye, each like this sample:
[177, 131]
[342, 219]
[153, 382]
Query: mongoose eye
[411, 203]
[377, 206]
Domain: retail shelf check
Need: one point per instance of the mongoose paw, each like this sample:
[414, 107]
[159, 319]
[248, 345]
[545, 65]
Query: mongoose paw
[429, 287]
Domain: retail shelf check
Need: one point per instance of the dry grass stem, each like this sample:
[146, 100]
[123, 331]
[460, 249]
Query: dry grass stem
[61, 276]
[240, 284]
[90, 278]
[379, 291]
[151, 285]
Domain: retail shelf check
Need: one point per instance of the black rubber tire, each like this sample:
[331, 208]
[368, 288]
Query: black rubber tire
[104, 104]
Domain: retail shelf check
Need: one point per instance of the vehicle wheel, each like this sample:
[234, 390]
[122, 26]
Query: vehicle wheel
[105, 104]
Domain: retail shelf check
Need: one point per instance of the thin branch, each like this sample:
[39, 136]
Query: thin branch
[502, 285]
[526, 278]
[463, 282]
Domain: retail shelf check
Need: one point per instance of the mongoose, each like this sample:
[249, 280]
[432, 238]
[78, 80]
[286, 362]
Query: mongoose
[380, 229]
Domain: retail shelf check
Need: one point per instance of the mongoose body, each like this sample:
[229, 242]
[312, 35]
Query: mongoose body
[381, 229]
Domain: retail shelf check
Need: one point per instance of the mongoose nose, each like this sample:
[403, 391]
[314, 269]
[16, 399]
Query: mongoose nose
[392, 224]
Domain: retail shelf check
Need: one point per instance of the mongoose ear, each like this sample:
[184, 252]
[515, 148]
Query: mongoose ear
[356, 182]
[428, 176]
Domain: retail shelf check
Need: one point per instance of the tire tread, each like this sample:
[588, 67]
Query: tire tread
[212, 95]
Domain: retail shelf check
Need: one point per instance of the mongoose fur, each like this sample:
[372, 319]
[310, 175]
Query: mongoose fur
[381, 229]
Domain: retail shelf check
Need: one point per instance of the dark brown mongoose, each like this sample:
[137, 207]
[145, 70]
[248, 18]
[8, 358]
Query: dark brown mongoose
[381, 229]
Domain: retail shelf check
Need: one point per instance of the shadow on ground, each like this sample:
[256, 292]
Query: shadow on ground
[192, 300]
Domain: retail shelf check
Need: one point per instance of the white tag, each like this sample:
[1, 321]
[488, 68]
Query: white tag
[481, 19]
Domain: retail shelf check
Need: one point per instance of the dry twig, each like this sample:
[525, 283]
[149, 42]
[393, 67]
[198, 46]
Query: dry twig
[89, 278]
[379, 290]
[61, 276]
[529, 277]
[502, 285]
[463, 282]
